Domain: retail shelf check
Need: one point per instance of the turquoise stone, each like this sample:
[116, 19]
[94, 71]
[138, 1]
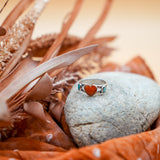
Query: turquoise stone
[79, 86]
[104, 89]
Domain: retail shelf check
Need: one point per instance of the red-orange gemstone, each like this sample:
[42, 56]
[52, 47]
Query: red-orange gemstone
[90, 90]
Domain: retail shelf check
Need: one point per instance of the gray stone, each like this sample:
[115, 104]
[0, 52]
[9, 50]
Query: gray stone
[130, 105]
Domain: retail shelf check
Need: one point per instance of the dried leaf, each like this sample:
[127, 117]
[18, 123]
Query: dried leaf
[35, 109]
[136, 65]
[56, 110]
[4, 124]
[103, 40]
[45, 131]
[22, 68]
[24, 143]
[28, 155]
[6, 158]
[53, 50]
[90, 35]
[42, 89]
[144, 145]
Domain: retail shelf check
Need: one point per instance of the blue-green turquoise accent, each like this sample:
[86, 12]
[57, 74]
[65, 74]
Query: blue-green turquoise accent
[79, 86]
[104, 89]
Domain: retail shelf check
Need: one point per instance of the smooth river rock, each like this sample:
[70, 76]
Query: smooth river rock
[130, 105]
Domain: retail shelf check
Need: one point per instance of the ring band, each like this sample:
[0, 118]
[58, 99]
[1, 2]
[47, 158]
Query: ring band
[92, 86]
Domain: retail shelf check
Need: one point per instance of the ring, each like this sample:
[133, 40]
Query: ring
[92, 86]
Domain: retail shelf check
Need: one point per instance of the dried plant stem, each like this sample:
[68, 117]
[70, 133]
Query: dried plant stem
[4, 6]
[60, 38]
[17, 34]
[103, 40]
[55, 63]
[16, 57]
[96, 27]
[16, 12]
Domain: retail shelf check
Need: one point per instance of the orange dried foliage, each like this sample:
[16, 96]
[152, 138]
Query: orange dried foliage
[136, 65]
[28, 144]
[144, 146]
[45, 131]
[27, 155]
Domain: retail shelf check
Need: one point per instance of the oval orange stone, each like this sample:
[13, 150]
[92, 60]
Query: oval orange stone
[90, 90]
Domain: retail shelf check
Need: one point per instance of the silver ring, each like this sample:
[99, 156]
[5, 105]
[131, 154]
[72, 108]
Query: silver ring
[92, 86]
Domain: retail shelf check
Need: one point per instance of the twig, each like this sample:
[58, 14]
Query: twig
[4, 6]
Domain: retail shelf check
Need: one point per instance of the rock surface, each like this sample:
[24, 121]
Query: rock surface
[130, 105]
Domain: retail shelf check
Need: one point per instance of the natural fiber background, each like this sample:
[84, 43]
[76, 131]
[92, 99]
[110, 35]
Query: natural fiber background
[136, 24]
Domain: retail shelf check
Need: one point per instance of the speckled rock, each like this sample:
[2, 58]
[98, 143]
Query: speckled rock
[130, 105]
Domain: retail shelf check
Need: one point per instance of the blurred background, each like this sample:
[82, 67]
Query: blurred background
[136, 24]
